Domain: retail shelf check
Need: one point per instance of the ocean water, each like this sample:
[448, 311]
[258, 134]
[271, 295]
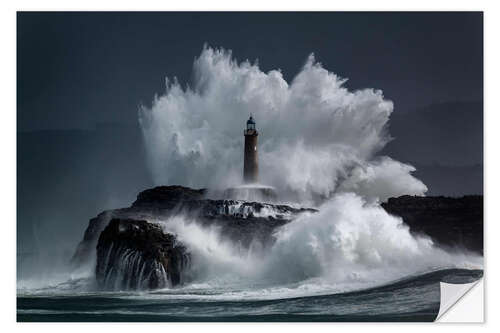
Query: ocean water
[350, 261]
[413, 298]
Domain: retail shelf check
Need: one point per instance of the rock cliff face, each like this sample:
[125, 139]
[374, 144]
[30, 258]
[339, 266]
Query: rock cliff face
[135, 254]
[131, 251]
[453, 222]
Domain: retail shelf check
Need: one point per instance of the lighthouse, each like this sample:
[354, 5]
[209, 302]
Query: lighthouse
[251, 161]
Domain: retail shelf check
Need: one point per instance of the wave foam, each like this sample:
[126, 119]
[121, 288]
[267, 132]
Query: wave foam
[349, 244]
[316, 136]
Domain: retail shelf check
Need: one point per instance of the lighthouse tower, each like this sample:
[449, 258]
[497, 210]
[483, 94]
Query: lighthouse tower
[251, 161]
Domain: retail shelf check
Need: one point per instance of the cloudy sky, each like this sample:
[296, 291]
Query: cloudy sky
[77, 69]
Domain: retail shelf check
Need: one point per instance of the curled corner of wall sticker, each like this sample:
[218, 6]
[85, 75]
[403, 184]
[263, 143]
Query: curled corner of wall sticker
[461, 303]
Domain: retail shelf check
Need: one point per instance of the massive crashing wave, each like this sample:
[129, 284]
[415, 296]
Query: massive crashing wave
[317, 137]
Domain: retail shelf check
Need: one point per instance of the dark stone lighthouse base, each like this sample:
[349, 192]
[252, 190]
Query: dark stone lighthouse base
[252, 192]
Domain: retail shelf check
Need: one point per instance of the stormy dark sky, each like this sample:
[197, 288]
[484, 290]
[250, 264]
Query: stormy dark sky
[82, 76]
[78, 69]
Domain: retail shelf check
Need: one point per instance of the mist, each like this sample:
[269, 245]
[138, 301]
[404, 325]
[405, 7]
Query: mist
[316, 137]
[64, 178]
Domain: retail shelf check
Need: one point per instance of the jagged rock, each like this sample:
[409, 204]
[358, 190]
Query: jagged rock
[454, 222]
[135, 254]
[167, 197]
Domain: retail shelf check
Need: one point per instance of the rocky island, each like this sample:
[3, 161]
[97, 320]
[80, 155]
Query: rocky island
[131, 251]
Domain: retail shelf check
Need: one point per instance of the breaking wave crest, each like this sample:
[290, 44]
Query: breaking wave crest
[316, 136]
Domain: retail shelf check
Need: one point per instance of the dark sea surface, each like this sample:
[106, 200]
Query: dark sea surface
[413, 299]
